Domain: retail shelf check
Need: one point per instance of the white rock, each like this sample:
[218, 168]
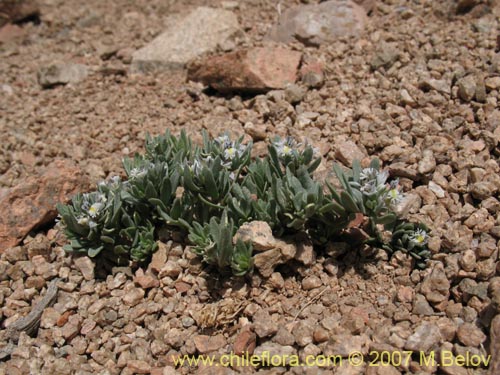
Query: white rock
[201, 31]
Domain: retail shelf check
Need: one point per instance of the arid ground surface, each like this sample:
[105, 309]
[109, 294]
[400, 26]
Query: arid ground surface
[418, 88]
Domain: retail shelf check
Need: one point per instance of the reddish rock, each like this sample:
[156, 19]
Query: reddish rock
[245, 343]
[252, 70]
[32, 203]
[17, 10]
[206, 344]
[139, 367]
[182, 287]
[146, 281]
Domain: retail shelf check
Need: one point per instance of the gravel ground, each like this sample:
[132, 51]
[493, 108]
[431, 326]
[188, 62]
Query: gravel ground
[419, 89]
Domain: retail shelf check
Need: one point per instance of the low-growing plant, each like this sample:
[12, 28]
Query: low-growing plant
[209, 191]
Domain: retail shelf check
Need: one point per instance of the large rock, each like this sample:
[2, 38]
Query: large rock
[32, 203]
[61, 73]
[252, 70]
[315, 24]
[17, 10]
[201, 31]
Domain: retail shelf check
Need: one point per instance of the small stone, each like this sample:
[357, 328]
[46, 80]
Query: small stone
[50, 316]
[264, 326]
[258, 233]
[482, 190]
[406, 98]
[159, 257]
[133, 297]
[492, 83]
[305, 251]
[145, 281]
[61, 73]
[470, 335]
[245, 343]
[439, 85]
[266, 261]
[15, 254]
[139, 367]
[385, 57]
[436, 189]
[468, 260]
[320, 335]
[345, 344]
[284, 337]
[466, 88]
[171, 269]
[436, 286]
[86, 267]
[311, 73]
[206, 344]
[274, 350]
[257, 132]
[303, 332]
[347, 151]
[428, 163]
[276, 281]
[294, 93]
[71, 328]
[405, 294]
[426, 337]
[355, 323]
[311, 282]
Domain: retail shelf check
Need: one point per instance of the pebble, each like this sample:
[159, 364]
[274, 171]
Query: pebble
[264, 325]
[470, 335]
[86, 267]
[133, 297]
[207, 344]
[311, 282]
[426, 337]
[245, 343]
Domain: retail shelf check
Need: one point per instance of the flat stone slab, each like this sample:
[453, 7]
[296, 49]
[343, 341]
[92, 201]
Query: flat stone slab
[201, 31]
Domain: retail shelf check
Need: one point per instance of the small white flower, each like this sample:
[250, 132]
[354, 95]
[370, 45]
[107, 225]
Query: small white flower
[419, 237]
[285, 147]
[137, 172]
[95, 209]
[230, 153]
[368, 188]
[368, 174]
[394, 196]
[223, 139]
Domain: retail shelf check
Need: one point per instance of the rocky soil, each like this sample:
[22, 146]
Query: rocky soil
[415, 83]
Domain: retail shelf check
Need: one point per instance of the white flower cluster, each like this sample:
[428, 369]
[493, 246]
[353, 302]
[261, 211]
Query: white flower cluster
[419, 237]
[93, 205]
[285, 147]
[230, 149]
[374, 182]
